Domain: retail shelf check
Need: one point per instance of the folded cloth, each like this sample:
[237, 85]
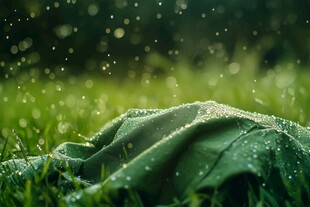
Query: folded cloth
[200, 147]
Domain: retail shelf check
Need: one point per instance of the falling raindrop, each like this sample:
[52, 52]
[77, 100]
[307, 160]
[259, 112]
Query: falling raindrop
[93, 9]
[36, 113]
[14, 49]
[23, 123]
[234, 68]
[63, 31]
[119, 33]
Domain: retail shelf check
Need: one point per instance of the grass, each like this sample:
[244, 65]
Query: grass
[45, 111]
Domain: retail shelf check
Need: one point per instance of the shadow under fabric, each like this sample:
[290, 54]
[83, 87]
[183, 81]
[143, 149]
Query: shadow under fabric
[172, 153]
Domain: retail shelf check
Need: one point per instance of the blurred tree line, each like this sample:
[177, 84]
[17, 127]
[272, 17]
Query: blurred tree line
[94, 35]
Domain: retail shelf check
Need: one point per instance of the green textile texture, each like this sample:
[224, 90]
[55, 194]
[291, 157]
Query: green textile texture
[203, 147]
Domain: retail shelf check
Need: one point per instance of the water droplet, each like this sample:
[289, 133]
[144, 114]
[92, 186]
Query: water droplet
[124, 165]
[63, 127]
[119, 33]
[36, 113]
[250, 166]
[89, 83]
[130, 145]
[41, 141]
[63, 31]
[234, 68]
[93, 10]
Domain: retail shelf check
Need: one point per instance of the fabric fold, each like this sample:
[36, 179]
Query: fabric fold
[172, 153]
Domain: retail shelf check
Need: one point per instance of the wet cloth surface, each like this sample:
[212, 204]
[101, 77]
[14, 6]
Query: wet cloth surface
[170, 153]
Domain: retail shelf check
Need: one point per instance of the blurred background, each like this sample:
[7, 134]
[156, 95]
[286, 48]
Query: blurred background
[127, 37]
[69, 66]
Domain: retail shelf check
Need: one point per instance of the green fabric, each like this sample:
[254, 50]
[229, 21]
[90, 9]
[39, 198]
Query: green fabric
[167, 154]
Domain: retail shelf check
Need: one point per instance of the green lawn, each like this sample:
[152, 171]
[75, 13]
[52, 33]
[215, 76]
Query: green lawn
[62, 108]
[46, 112]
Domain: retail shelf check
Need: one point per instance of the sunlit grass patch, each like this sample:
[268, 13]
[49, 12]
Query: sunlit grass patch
[47, 112]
